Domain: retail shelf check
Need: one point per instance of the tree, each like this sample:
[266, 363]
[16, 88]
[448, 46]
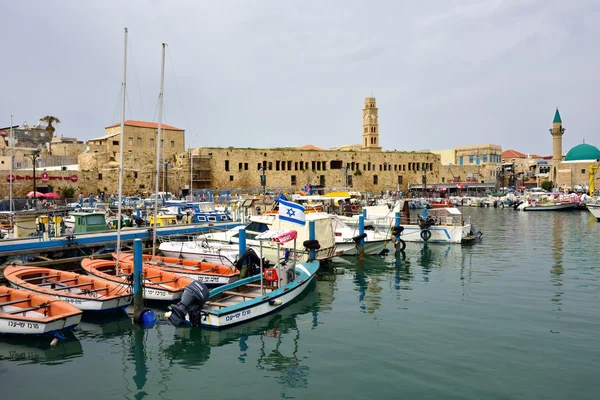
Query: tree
[547, 185]
[50, 120]
[68, 192]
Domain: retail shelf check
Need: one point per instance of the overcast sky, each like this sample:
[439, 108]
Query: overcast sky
[267, 73]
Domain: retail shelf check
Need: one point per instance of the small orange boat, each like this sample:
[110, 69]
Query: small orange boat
[211, 274]
[87, 293]
[157, 284]
[26, 313]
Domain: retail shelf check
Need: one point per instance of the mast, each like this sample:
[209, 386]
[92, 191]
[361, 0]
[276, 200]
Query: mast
[121, 144]
[191, 175]
[158, 146]
[11, 167]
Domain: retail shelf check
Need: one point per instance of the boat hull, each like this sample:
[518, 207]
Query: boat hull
[25, 326]
[595, 210]
[554, 207]
[375, 247]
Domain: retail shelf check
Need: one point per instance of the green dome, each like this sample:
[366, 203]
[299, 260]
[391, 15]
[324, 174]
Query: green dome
[583, 152]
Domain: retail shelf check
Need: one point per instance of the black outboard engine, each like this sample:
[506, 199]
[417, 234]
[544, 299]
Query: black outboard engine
[194, 296]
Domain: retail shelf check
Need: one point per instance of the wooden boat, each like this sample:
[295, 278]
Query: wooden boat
[87, 293]
[158, 284]
[254, 297]
[26, 313]
[211, 274]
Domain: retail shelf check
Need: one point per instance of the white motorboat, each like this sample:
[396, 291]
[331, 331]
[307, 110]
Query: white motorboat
[200, 249]
[594, 209]
[346, 238]
[261, 223]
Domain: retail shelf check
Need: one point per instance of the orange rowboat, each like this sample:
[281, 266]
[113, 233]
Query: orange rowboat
[87, 293]
[211, 274]
[26, 313]
[157, 284]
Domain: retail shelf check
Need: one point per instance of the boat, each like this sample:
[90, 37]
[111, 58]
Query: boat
[211, 274]
[251, 297]
[87, 293]
[548, 205]
[347, 237]
[25, 313]
[438, 225]
[594, 209]
[157, 284]
[262, 223]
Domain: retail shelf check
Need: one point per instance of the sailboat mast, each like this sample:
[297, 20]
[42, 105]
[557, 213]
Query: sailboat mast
[158, 146]
[11, 168]
[121, 140]
[191, 175]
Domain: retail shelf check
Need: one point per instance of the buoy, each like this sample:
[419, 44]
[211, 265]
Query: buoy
[54, 342]
[275, 302]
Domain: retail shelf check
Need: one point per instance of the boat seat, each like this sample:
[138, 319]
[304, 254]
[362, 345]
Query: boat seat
[257, 285]
[73, 286]
[53, 282]
[40, 277]
[161, 282]
[24, 310]
[214, 303]
[152, 277]
[4, 294]
[7, 303]
[241, 294]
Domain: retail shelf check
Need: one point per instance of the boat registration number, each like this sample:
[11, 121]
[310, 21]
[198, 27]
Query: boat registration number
[29, 325]
[151, 292]
[237, 315]
[209, 279]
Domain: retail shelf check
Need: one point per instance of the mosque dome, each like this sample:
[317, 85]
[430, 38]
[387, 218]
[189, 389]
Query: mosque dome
[583, 152]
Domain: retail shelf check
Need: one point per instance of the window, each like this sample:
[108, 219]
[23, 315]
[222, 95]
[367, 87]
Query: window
[240, 166]
[460, 162]
[99, 177]
[245, 166]
[375, 180]
[142, 186]
[19, 165]
[172, 144]
[289, 165]
[399, 179]
[276, 165]
[230, 178]
[135, 174]
[115, 142]
[485, 158]
[470, 159]
[130, 141]
[477, 162]
[443, 179]
[270, 166]
[152, 143]
[226, 165]
[139, 142]
[293, 180]
[583, 171]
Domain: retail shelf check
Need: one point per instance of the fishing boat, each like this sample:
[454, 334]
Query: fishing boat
[157, 284]
[26, 313]
[251, 297]
[209, 273]
[87, 293]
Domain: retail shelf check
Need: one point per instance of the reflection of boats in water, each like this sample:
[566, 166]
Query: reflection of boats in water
[102, 327]
[37, 350]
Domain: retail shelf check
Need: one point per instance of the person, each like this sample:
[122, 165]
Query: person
[91, 200]
[80, 199]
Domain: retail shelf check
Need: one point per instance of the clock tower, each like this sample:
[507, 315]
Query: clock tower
[370, 136]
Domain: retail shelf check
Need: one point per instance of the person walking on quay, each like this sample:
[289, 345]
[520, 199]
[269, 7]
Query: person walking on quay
[80, 199]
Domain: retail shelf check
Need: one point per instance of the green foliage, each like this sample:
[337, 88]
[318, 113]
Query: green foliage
[357, 172]
[68, 192]
[547, 185]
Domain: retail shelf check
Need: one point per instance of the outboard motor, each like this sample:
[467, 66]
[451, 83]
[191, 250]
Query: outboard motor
[194, 296]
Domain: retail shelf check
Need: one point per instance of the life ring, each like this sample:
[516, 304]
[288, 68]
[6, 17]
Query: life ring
[271, 275]
[425, 234]
[319, 208]
[400, 243]
[353, 207]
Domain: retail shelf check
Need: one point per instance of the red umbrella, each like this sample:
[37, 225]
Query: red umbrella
[51, 195]
[37, 194]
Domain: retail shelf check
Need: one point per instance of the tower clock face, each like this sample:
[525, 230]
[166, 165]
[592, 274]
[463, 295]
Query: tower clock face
[373, 116]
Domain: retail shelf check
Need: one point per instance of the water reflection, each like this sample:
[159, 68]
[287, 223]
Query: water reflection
[37, 350]
[557, 256]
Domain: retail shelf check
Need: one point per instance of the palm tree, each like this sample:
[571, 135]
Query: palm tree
[49, 120]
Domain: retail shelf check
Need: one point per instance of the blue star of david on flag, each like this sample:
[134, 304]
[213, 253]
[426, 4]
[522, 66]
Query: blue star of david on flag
[291, 212]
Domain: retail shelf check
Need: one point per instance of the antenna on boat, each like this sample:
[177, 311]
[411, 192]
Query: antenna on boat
[158, 140]
[121, 140]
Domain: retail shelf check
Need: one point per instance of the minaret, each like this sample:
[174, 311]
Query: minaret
[556, 132]
[370, 134]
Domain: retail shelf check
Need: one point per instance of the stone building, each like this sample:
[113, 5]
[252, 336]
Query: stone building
[364, 167]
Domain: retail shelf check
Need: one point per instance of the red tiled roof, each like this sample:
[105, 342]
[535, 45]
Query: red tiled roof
[535, 156]
[309, 147]
[144, 124]
[512, 154]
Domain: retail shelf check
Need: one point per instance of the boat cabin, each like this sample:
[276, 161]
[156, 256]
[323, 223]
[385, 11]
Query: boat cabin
[163, 220]
[88, 222]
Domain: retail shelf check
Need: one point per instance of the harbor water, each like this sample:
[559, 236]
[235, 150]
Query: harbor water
[513, 316]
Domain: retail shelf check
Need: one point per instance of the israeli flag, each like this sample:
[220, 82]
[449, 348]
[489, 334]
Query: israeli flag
[291, 212]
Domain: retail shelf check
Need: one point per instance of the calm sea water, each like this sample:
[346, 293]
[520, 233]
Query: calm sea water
[515, 316]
